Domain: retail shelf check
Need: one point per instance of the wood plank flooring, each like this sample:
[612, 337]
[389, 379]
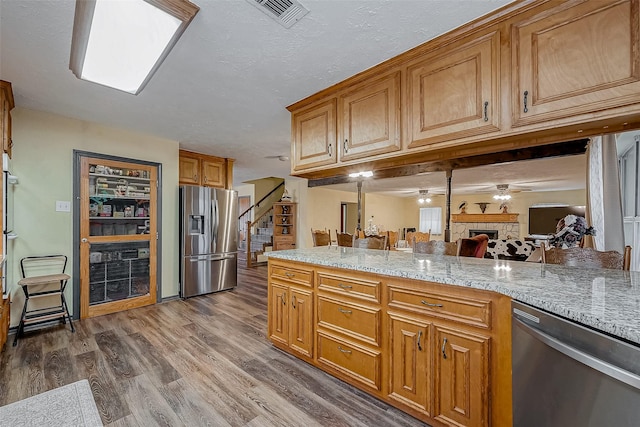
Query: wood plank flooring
[204, 361]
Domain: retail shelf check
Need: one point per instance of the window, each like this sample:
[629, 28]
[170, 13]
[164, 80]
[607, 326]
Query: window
[431, 219]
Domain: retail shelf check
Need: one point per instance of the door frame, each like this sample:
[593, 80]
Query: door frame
[77, 158]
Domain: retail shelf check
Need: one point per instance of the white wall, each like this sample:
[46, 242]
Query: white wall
[43, 161]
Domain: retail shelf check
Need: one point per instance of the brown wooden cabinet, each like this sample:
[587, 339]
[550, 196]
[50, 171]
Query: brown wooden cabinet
[290, 321]
[410, 350]
[531, 73]
[439, 352]
[578, 57]
[461, 373]
[350, 334]
[5, 318]
[208, 171]
[284, 225]
[370, 119]
[455, 93]
[313, 135]
[6, 105]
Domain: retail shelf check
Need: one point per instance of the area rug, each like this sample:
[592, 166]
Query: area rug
[69, 405]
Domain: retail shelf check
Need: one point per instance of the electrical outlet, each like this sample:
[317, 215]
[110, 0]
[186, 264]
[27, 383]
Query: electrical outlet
[63, 206]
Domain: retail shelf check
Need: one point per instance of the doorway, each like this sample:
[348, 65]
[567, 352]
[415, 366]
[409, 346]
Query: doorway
[348, 217]
[243, 204]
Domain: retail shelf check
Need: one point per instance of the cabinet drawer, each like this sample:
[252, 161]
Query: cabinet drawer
[359, 363]
[355, 320]
[293, 275]
[474, 312]
[356, 288]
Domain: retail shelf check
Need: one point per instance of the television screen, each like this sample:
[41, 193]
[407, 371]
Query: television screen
[543, 220]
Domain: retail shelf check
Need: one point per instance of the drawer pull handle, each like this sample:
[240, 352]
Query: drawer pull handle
[526, 94]
[282, 297]
[343, 286]
[429, 304]
[444, 348]
[486, 116]
[342, 310]
[293, 301]
[419, 338]
[346, 146]
[329, 150]
[289, 275]
[344, 351]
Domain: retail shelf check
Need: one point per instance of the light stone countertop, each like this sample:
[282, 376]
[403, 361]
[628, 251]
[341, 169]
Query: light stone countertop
[606, 300]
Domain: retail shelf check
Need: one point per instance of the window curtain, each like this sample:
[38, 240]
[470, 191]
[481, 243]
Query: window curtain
[604, 202]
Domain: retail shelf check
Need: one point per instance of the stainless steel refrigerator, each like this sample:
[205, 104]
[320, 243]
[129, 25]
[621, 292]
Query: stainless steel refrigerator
[208, 240]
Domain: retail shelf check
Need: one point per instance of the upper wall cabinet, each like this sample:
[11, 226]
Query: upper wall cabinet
[313, 131]
[6, 105]
[209, 171]
[454, 93]
[578, 57]
[370, 119]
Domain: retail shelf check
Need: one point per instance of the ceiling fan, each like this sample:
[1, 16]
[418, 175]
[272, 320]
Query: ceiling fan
[281, 157]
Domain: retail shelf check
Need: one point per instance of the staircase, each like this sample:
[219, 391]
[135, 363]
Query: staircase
[256, 237]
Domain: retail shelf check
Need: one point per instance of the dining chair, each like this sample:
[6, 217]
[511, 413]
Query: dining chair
[392, 238]
[475, 246]
[436, 247]
[422, 237]
[344, 239]
[587, 257]
[408, 237]
[370, 242]
[321, 237]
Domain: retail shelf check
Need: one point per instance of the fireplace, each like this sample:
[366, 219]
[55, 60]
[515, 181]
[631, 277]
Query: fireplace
[493, 234]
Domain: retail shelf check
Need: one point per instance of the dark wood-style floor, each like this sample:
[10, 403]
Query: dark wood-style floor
[202, 361]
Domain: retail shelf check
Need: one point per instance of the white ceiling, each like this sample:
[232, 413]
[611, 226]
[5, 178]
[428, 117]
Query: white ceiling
[224, 87]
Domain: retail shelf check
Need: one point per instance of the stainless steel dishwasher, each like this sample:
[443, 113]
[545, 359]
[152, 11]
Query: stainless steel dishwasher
[567, 375]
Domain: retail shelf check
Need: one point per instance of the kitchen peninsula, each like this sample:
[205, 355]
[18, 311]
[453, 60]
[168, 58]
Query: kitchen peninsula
[385, 321]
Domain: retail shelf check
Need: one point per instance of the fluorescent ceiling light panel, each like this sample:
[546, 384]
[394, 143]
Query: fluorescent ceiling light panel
[120, 43]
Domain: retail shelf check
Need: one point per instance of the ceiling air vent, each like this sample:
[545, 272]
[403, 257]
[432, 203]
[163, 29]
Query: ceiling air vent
[285, 12]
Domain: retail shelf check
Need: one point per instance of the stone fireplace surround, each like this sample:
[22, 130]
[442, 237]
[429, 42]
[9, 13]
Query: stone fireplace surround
[506, 230]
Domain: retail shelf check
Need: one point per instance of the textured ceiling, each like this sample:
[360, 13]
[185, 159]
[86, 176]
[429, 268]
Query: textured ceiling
[224, 87]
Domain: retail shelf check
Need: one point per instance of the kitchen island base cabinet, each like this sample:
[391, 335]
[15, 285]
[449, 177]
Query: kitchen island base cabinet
[291, 324]
[441, 353]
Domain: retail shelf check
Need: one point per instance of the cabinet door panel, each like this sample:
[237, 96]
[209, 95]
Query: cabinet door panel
[213, 174]
[456, 94]
[301, 321]
[189, 170]
[314, 136]
[578, 58]
[370, 122]
[461, 362]
[278, 313]
[410, 349]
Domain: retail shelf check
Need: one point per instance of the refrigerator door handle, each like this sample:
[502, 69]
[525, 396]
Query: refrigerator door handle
[215, 222]
[212, 257]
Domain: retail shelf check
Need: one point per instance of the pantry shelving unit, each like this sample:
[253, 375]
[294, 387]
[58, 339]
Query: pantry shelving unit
[118, 234]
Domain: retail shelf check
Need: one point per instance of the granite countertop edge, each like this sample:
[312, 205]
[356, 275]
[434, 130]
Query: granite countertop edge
[604, 300]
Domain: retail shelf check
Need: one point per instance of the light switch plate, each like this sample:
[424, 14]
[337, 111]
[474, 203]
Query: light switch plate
[63, 206]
